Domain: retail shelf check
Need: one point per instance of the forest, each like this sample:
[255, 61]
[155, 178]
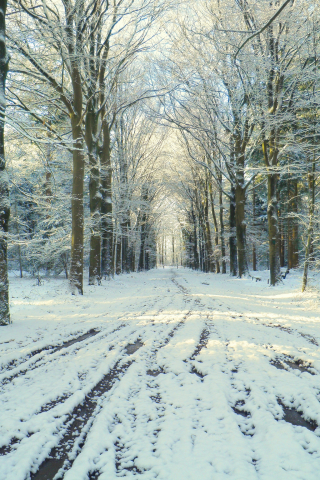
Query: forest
[159, 239]
[143, 132]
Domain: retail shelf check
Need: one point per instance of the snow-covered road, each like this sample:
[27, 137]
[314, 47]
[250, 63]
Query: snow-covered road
[169, 375]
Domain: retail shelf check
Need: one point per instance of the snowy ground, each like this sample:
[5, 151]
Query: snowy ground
[181, 376]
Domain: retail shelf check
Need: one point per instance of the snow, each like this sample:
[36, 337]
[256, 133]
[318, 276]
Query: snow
[178, 410]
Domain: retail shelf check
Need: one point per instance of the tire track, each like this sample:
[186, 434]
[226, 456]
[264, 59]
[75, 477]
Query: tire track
[115, 374]
[59, 460]
[287, 363]
[49, 350]
[149, 357]
[77, 426]
[255, 321]
[128, 333]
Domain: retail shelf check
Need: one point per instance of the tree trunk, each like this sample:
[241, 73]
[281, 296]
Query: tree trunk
[233, 238]
[48, 182]
[126, 261]
[210, 259]
[119, 254]
[195, 262]
[106, 205]
[94, 198]
[295, 226]
[241, 230]
[173, 257]
[95, 238]
[254, 252]
[281, 240]
[216, 229]
[4, 180]
[307, 254]
[222, 243]
[311, 181]
[289, 226]
[141, 264]
[76, 269]
[133, 260]
[273, 224]
[75, 110]
[274, 86]
[201, 255]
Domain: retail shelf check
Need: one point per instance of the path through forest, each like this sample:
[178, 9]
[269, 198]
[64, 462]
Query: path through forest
[169, 374]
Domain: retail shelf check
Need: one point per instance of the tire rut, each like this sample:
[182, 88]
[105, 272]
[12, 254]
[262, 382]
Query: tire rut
[156, 397]
[44, 361]
[49, 349]
[130, 348]
[52, 349]
[74, 437]
[81, 418]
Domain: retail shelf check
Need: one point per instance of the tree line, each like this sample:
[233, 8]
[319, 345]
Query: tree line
[246, 112]
[114, 107]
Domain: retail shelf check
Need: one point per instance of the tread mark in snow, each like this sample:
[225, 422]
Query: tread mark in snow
[173, 331]
[90, 333]
[50, 348]
[156, 398]
[202, 343]
[254, 463]
[241, 412]
[7, 448]
[67, 344]
[47, 406]
[276, 325]
[93, 475]
[295, 418]
[196, 372]
[133, 347]
[155, 373]
[310, 339]
[180, 287]
[246, 427]
[81, 414]
[119, 447]
[290, 362]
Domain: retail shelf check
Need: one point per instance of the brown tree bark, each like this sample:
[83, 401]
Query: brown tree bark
[273, 230]
[4, 181]
[195, 253]
[233, 238]
[118, 255]
[270, 151]
[295, 226]
[210, 256]
[241, 230]
[222, 242]
[216, 227]
[240, 141]
[254, 251]
[106, 204]
[73, 33]
[77, 211]
[311, 184]
[94, 196]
